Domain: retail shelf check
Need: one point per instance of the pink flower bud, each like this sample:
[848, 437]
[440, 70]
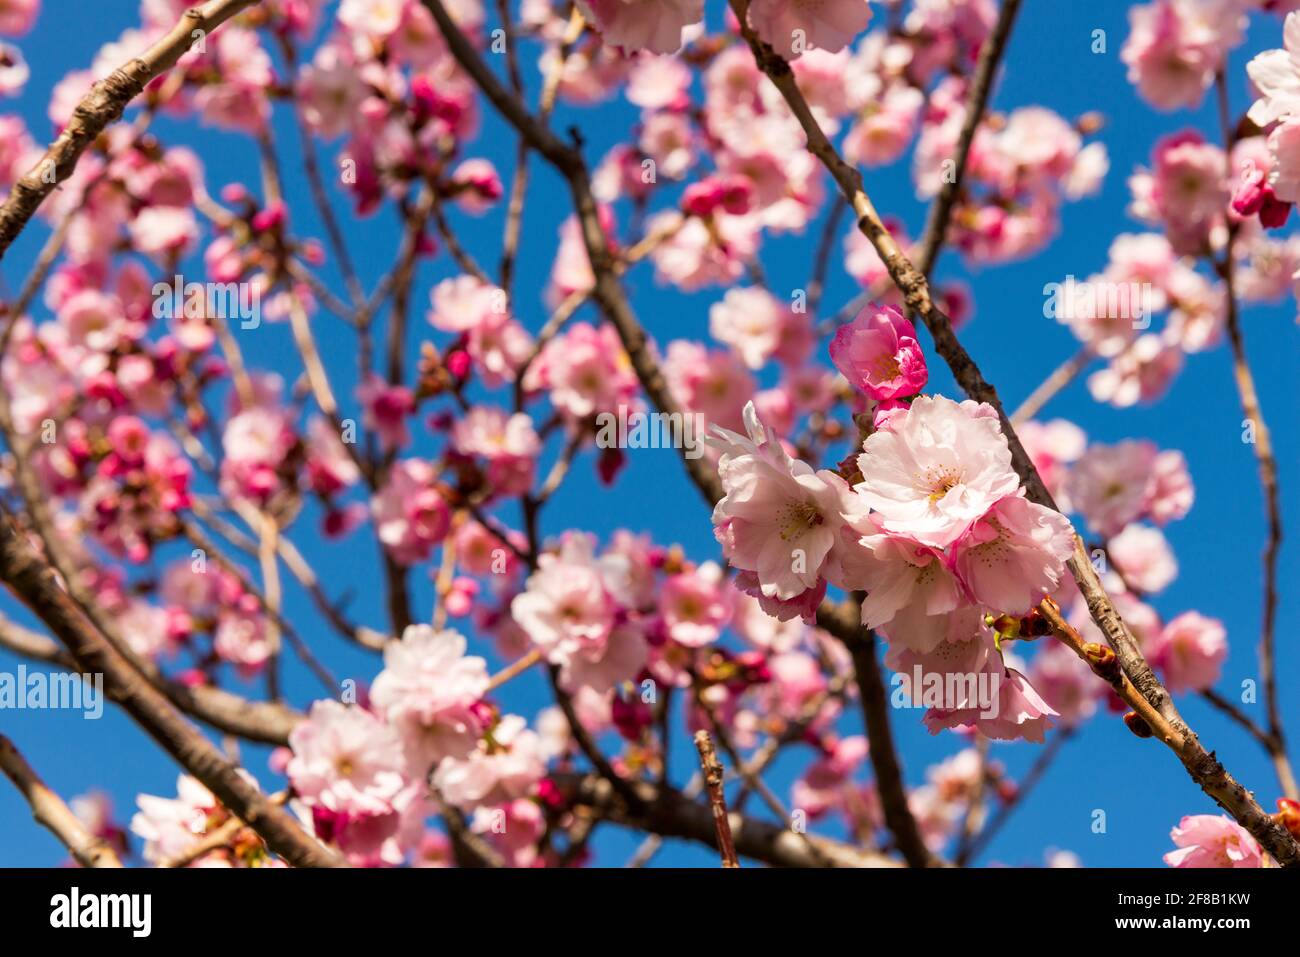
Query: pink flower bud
[878, 353]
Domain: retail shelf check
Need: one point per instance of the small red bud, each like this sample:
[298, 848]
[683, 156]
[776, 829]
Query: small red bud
[1137, 725]
[1102, 660]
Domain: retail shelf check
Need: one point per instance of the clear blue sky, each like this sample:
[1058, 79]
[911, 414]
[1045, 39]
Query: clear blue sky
[1140, 786]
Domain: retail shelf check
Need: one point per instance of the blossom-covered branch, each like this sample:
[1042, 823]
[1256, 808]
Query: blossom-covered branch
[52, 813]
[1204, 768]
[104, 105]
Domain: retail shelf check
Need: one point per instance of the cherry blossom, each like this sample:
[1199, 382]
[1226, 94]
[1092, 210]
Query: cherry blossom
[793, 26]
[230, 441]
[1190, 651]
[936, 469]
[1212, 840]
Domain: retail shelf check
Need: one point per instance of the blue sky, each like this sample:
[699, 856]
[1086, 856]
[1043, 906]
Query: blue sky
[1140, 786]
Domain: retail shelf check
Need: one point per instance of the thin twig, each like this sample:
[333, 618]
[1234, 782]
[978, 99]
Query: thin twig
[717, 797]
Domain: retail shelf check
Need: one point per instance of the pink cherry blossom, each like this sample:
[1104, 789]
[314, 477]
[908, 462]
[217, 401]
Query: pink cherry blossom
[463, 303]
[1141, 373]
[565, 607]
[1190, 651]
[1213, 840]
[779, 518]
[697, 255]
[1174, 48]
[585, 371]
[372, 18]
[17, 16]
[878, 353]
[242, 641]
[1020, 713]
[802, 606]
[508, 443]
[514, 829]
[428, 691]
[654, 25]
[506, 768]
[346, 760]
[1014, 555]
[1169, 492]
[911, 592]
[884, 129]
[714, 383]
[823, 784]
[170, 826]
[386, 410]
[1108, 484]
[752, 321]
[330, 91]
[1284, 175]
[1276, 75]
[694, 604]
[937, 469]
[1143, 557]
[793, 26]
[410, 514]
[329, 466]
[476, 186]
[596, 670]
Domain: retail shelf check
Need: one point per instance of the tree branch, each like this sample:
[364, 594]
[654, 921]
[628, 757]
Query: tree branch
[102, 106]
[261, 721]
[50, 811]
[713, 778]
[911, 282]
[671, 814]
[34, 583]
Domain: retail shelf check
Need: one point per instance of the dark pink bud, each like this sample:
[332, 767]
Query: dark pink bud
[631, 718]
[1273, 212]
[549, 793]
[609, 464]
[458, 363]
[1251, 191]
[272, 217]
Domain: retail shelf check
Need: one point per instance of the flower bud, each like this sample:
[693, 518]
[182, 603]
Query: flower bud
[1288, 815]
[1034, 625]
[1137, 725]
[1008, 626]
[1102, 660]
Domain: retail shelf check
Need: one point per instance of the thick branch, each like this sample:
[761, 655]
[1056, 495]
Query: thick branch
[34, 583]
[260, 721]
[102, 106]
[50, 811]
[884, 757]
[671, 814]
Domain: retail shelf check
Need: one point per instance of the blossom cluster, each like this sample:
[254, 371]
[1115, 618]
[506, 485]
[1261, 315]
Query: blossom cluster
[163, 443]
